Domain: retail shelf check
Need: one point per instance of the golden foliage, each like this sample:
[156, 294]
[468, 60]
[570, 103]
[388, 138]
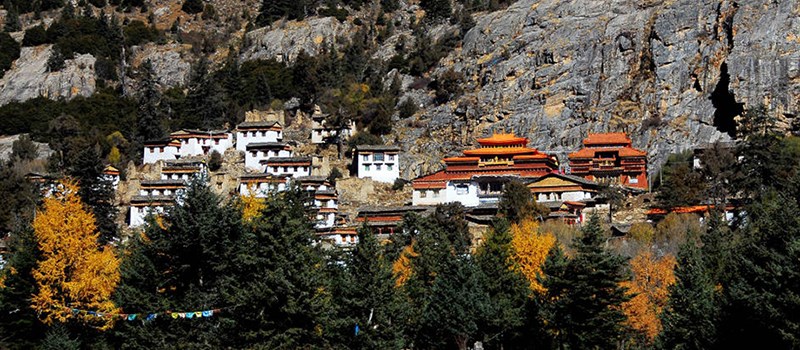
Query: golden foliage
[252, 206]
[650, 289]
[530, 250]
[114, 155]
[642, 232]
[401, 268]
[74, 272]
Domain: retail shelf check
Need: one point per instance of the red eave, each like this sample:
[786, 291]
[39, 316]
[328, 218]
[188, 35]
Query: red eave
[500, 151]
[609, 138]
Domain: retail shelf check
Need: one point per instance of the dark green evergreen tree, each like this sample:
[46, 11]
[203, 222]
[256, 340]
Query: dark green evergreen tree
[272, 10]
[12, 18]
[282, 281]
[184, 262]
[436, 9]
[690, 317]
[367, 297]
[763, 308]
[192, 6]
[517, 203]
[9, 51]
[20, 327]
[24, 149]
[584, 294]
[205, 105]
[96, 191]
[509, 295]
[682, 185]
[447, 289]
[150, 121]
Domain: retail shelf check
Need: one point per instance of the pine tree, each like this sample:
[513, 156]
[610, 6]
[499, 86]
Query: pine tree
[184, 261]
[282, 280]
[20, 327]
[205, 105]
[507, 288]
[762, 293]
[96, 191]
[150, 121]
[689, 319]
[584, 296]
[436, 9]
[368, 298]
[12, 18]
[272, 10]
[446, 287]
[517, 203]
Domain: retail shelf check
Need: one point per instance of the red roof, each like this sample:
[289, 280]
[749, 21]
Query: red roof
[609, 138]
[462, 159]
[503, 139]
[500, 151]
[622, 151]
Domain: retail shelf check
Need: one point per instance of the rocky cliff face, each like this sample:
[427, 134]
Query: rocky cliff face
[673, 74]
[29, 77]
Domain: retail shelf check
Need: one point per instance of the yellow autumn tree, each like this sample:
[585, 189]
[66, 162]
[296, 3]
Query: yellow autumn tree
[252, 205]
[74, 272]
[530, 250]
[650, 290]
[402, 266]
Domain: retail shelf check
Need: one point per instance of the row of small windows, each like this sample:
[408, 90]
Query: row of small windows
[378, 157]
[258, 133]
[378, 167]
[266, 154]
[285, 169]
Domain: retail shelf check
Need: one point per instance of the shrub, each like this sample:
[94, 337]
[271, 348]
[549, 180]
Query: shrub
[35, 36]
[214, 161]
[407, 108]
[9, 51]
[398, 184]
[137, 33]
[192, 6]
[338, 13]
[334, 175]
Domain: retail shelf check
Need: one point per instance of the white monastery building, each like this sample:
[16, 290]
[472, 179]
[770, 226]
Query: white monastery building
[248, 133]
[380, 163]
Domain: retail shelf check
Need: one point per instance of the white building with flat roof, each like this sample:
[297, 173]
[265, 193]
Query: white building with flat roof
[248, 133]
[380, 163]
[202, 142]
[160, 150]
[256, 154]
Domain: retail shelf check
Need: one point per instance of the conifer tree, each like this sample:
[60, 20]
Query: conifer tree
[762, 294]
[282, 281]
[205, 107]
[689, 319]
[150, 122]
[446, 287]
[584, 296]
[436, 9]
[517, 203]
[96, 191]
[183, 262]
[509, 295]
[272, 10]
[368, 298]
[19, 324]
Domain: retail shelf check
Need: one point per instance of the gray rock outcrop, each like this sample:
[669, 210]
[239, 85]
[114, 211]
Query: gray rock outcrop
[670, 73]
[29, 77]
[283, 41]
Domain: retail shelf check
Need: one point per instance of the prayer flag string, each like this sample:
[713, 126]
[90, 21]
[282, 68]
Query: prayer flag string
[147, 316]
